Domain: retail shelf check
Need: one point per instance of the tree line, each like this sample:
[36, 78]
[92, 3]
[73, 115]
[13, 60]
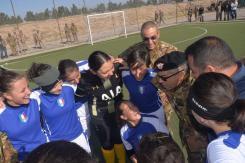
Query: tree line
[63, 11]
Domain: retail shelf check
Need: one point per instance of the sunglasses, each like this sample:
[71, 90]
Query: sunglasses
[153, 38]
[165, 78]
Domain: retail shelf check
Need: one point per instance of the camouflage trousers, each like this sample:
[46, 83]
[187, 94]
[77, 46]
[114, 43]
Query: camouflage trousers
[7, 153]
[194, 143]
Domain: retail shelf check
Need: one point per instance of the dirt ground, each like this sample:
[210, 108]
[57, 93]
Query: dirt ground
[53, 35]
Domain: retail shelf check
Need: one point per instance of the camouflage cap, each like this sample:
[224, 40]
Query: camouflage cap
[170, 61]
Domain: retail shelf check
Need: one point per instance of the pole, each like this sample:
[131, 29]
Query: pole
[16, 22]
[58, 23]
[136, 12]
[176, 9]
[86, 20]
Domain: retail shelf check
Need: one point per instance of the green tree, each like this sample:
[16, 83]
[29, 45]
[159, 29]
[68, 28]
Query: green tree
[112, 6]
[61, 11]
[101, 7]
[46, 14]
[54, 13]
[74, 10]
[4, 18]
[29, 16]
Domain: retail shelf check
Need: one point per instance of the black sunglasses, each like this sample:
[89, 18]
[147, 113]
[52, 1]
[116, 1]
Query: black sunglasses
[150, 38]
[166, 78]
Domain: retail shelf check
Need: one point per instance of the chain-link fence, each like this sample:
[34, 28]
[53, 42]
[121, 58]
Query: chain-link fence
[65, 23]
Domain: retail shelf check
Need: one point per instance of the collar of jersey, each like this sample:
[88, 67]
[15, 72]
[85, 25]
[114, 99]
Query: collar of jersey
[232, 140]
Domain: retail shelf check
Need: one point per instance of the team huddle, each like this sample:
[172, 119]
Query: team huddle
[204, 86]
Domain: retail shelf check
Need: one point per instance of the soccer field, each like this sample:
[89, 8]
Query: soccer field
[180, 35]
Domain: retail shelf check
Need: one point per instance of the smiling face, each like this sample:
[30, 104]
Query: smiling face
[106, 70]
[19, 92]
[151, 37]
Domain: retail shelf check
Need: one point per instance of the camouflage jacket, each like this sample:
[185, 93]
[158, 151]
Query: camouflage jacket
[191, 135]
[7, 152]
[161, 49]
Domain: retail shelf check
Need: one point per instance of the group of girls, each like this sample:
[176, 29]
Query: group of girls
[31, 118]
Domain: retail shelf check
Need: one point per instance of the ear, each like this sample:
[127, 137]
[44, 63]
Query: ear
[210, 68]
[123, 117]
[6, 96]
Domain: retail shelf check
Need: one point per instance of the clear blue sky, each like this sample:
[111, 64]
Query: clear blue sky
[21, 6]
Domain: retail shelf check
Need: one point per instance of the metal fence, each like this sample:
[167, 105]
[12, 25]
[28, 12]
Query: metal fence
[61, 23]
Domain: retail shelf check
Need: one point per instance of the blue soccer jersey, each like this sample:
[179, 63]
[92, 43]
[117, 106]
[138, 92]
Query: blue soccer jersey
[60, 116]
[142, 93]
[22, 126]
[131, 135]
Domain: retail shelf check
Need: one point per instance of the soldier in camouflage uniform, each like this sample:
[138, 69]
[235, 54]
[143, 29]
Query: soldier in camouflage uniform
[67, 33]
[151, 42]
[12, 44]
[174, 80]
[74, 32]
[7, 152]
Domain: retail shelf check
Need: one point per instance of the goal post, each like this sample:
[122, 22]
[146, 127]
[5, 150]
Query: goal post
[103, 21]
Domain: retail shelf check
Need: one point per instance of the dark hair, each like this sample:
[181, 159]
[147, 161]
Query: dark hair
[218, 91]
[159, 148]
[238, 123]
[215, 90]
[119, 112]
[138, 56]
[97, 59]
[37, 69]
[7, 78]
[211, 50]
[59, 152]
[65, 67]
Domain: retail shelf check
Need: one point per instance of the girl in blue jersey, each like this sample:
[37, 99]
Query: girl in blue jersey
[142, 92]
[213, 100]
[70, 74]
[57, 106]
[20, 117]
[136, 127]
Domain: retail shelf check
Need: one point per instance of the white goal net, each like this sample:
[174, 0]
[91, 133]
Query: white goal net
[106, 26]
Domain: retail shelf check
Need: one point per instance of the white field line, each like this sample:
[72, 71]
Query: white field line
[205, 31]
[175, 43]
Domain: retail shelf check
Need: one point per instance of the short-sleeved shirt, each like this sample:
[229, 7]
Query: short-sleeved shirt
[22, 126]
[142, 93]
[60, 116]
[229, 147]
[148, 124]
